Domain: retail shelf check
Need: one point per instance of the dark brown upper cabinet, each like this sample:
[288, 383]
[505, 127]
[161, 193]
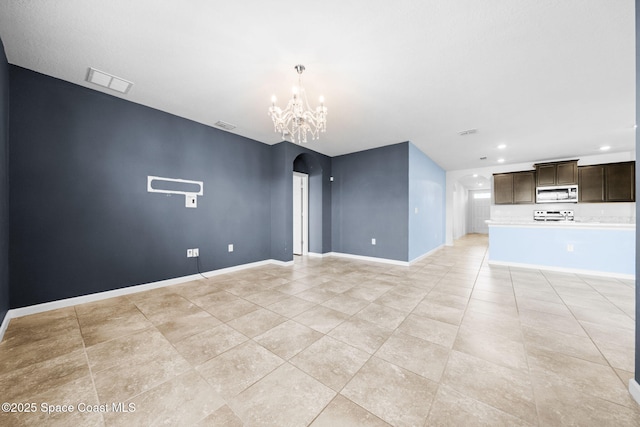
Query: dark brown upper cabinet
[620, 182]
[503, 189]
[557, 173]
[591, 184]
[612, 182]
[514, 188]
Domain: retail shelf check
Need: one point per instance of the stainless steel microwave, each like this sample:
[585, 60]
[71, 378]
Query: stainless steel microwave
[557, 194]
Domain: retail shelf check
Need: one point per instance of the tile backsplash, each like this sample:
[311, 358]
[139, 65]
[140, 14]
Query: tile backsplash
[621, 213]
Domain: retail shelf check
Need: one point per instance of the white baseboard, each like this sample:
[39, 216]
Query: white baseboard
[376, 259]
[423, 256]
[5, 324]
[317, 255]
[634, 389]
[98, 296]
[271, 261]
[368, 258]
[564, 270]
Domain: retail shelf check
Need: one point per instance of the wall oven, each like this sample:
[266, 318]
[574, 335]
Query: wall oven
[557, 194]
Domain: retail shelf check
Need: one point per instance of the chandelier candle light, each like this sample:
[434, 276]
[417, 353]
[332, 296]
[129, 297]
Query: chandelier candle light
[298, 118]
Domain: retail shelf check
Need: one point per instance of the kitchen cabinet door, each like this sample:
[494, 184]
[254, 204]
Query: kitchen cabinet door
[557, 173]
[524, 187]
[503, 189]
[514, 188]
[620, 182]
[567, 173]
[591, 184]
[546, 175]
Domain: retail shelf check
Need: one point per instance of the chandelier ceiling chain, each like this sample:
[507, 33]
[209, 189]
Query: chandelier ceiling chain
[298, 119]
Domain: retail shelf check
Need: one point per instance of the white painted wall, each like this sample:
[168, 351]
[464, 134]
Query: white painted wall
[457, 209]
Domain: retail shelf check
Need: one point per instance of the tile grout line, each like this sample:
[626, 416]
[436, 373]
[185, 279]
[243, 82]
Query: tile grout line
[86, 356]
[526, 352]
[440, 383]
[590, 339]
[465, 311]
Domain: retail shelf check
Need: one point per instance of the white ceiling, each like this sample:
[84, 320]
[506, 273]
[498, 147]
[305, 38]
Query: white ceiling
[550, 79]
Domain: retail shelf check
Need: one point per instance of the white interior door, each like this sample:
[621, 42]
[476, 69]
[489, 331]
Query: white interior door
[300, 213]
[480, 206]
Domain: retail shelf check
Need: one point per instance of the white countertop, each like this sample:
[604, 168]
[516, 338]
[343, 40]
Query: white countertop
[560, 224]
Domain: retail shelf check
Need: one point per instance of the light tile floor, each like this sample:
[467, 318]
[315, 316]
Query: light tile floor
[336, 342]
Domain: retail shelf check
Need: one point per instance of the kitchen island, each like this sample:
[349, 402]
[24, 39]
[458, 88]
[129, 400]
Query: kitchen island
[605, 249]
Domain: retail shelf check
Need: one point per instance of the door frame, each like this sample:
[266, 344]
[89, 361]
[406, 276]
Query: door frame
[300, 210]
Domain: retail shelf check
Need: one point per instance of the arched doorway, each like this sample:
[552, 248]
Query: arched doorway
[307, 205]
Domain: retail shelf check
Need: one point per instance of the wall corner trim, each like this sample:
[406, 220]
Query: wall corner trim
[69, 302]
[634, 389]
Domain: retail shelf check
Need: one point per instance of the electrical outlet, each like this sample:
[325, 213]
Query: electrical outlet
[373, 241]
[569, 247]
[230, 247]
[193, 253]
[191, 200]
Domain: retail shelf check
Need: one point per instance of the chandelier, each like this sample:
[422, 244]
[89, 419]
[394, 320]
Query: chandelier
[298, 118]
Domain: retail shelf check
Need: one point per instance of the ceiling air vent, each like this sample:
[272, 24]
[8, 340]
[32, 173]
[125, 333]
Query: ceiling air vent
[468, 132]
[224, 125]
[109, 81]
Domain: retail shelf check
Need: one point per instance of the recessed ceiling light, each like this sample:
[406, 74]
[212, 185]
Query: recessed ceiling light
[500, 160]
[605, 148]
[475, 175]
[502, 146]
[107, 80]
[479, 184]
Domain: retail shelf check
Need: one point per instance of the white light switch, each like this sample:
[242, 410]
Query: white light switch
[230, 247]
[373, 241]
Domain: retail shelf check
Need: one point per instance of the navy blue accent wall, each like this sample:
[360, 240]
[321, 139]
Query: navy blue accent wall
[281, 248]
[286, 157]
[4, 184]
[81, 219]
[637, 374]
[370, 199]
